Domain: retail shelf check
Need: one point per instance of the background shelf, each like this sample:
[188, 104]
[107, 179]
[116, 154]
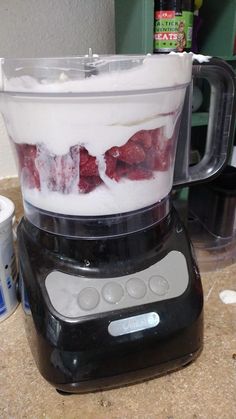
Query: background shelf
[134, 26]
[199, 119]
[217, 35]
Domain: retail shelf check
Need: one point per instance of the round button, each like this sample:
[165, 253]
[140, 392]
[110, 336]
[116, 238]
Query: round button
[158, 285]
[88, 298]
[112, 292]
[136, 288]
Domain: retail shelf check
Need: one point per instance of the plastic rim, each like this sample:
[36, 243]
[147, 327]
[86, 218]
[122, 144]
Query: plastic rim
[7, 209]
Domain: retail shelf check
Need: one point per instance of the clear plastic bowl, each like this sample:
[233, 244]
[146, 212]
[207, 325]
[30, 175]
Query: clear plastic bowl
[94, 136]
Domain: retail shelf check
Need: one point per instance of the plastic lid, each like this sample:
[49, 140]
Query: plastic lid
[7, 209]
[93, 73]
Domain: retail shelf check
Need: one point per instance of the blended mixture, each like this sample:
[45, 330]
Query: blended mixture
[102, 144]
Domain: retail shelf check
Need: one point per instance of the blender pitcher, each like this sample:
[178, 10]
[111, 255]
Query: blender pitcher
[113, 290]
[94, 136]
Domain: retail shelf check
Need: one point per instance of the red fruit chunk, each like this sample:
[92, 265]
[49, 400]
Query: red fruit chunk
[84, 156]
[144, 138]
[122, 169]
[110, 166]
[88, 167]
[130, 153]
[36, 179]
[87, 184]
[163, 159]
[75, 153]
[30, 177]
[149, 162]
[139, 174]
[27, 154]
[163, 153]
[97, 180]
[156, 135]
[46, 165]
[64, 173]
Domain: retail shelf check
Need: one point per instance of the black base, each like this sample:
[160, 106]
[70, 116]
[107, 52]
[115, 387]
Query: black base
[128, 378]
[80, 355]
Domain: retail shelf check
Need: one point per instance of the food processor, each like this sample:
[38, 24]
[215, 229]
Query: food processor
[110, 286]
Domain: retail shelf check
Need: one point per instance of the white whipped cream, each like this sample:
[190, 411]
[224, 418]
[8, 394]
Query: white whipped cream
[148, 72]
[122, 196]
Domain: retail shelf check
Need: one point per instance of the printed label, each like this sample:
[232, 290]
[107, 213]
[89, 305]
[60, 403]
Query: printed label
[173, 31]
[3, 308]
[8, 274]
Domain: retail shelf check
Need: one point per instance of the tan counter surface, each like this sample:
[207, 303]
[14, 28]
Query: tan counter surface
[204, 389]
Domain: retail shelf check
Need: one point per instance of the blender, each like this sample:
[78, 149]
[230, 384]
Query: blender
[110, 286]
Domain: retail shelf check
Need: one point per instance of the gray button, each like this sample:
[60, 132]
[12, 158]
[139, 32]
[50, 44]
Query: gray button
[158, 285]
[136, 288]
[112, 292]
[88, 298]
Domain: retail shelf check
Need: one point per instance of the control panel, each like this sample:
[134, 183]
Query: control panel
[76, 296]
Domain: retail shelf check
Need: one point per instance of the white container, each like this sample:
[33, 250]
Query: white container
[8, 269]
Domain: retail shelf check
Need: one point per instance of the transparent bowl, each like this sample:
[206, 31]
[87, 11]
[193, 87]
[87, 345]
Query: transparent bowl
[94, 136]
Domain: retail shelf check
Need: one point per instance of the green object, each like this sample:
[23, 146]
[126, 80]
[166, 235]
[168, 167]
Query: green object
[218, 29]
[134, 26]
[199, 119]
[197, 4]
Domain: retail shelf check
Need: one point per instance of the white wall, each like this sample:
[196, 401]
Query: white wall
[30, 28]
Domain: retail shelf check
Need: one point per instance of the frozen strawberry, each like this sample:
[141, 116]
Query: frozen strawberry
[46, 166]
[36, 179]
[163, 160]
[163, 154]
[30, 178]
[111, 163]
[29, 150]
[87, 184]
[84, 185]
[84, 156]
[149, 162]
[64, 173]
[75, 155]
[27, 155]
[88, 167]
[97, 180]
[156, 135]
[139, 174]
[144, 138]
[84, 164]
[75, 152]
[122, 169]
[130, 153]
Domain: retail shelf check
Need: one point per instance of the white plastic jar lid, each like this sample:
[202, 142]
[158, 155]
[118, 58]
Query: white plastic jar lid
[7, 209]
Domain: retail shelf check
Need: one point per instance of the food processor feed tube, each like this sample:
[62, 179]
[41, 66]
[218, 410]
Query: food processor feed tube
[102, 143]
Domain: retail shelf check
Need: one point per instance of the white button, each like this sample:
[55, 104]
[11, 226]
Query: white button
[88, 298]
[136, 288]
[112, 292]
[158, 285]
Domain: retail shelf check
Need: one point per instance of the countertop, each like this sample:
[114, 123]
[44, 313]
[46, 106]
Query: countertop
[204, 389]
